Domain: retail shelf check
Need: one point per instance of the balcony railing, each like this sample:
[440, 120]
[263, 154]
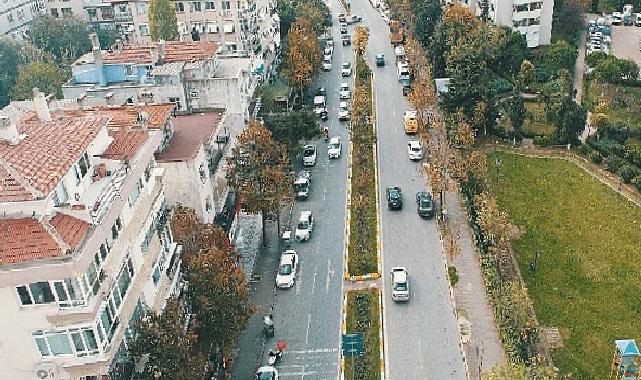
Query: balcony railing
[108, 194]
[123, 17]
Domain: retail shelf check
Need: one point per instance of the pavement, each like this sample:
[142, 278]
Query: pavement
[421, 337]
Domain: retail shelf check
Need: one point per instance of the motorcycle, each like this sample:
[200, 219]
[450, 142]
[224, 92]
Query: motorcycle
[276, 355]
[323, 115]
[326, 133]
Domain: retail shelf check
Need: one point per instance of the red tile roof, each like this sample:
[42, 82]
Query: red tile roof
[70, 229]
[175, 51]
[190, 132]
[125, 144]
[25, 239]
[37, 163]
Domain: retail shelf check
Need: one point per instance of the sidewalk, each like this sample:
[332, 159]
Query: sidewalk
[484, 348]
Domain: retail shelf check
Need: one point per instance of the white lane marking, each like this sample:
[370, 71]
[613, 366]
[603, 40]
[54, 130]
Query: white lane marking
[330, 274]
[313, 351]
[309, 322]
[314, 282]
[299, 279]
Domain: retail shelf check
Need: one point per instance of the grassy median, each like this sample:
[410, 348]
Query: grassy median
[363, 316]
[588, 278]
[362, 250]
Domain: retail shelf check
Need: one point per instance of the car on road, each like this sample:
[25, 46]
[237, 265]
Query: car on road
[321, 91]
[410, 123]
[394, 198]
[327, 65]
[319, 105]
[342, 17]
[400, 284]
[334, 149]
[380, 59]
[329, 50]
[353, 19]
[309, 155]
[286, 275]
[617, 18]
[425, 204]
[414, 150]
[305, 226]
[267, 373]
[343, 28]
[344, 91]
[344, 113]
[346, 39]
[327, 57]
[346, 69]
[302, 185]
[330, 44]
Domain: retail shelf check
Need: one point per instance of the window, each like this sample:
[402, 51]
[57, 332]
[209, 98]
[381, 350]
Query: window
[180, 7]
[115, 229]
[66, 12]
[226, 5]
[60, 195]
[212, 27]
[195, 6]
[229, 27]
[207, 204]
[210, 5]
[20, 14]
[54, 13]
[84, 164]
[230, 47]
[144, 29]
[10, 15]
[79, 341]
[41, 292]
[129, 70]
[176, 101]
[535, 6]
[144, 246]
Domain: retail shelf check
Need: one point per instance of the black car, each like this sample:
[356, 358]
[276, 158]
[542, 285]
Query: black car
[425, 204]
[321, 91]
[407, 90]
[380, 59]
[394, 198]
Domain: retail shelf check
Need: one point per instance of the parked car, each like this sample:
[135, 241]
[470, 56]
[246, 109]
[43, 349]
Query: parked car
[327, 65]
[302, 185]
[330, 43]
[309, 155]
[329, 50]
[286, 275]
[617, 18]
[414, 150]
[343, 28]
[400, 284]
[321, 91]
[344, 113]
[425, 204]
[410, 123]
[394, 198]
[305, 226]
[342, 17]
[319, 105]
[380, 59]
[334, 149]
[346, 39]
[344, 92]
[346, 69]
[267, 373]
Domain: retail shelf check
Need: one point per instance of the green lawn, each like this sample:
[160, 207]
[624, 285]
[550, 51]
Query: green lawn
[363, 316]
[588, 282]
[623, 103]
[535, 123]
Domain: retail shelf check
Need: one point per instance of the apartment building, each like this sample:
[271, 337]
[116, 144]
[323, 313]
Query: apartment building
[85, 248]
[17, 15]
[98, 13]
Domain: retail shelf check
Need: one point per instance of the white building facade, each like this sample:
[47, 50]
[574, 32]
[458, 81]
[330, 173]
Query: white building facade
[17, 15]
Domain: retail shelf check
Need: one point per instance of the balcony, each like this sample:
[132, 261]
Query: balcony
[123, 17]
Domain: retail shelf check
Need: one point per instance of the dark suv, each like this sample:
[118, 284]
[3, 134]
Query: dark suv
[425, 205]
[380, 59]
[394, 198]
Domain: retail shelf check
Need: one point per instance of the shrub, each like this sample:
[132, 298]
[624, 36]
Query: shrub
[613, 163]
[545, 140]
[628, 173]
[596, 157]
[453, 275]
[637, 182]
[585, 149]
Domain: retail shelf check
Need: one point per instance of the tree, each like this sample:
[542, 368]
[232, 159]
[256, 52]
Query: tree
[196, 237]
[107, 37]
[290, 128]
[47, 77]
[9, 61]
[519, 371]
[219, 294]
[568, 18]
[360, 40]
[569, 118]
[526, 73]
[510, 51]
[66, 39]
[517, 111]
[314, 15]
[162, 20]
[162, 349]
[258, 170]
[303, 54]
[427, 14]
[560, 55]
[423, 100]
[615, 70]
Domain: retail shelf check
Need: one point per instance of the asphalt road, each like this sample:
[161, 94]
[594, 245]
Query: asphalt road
[308, 316]
[421, 337]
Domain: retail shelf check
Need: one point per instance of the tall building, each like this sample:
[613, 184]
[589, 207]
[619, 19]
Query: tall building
[17, 15]
[85, 248]
[97, 13]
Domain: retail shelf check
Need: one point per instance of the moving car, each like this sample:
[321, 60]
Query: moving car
[327, 65]
[394, 198]
[343, 28]
[343, 111]
[286, 275]
[347, 40]
[321, 91]
[353, 19]
[267, 373]
[344, 91]
[380, 59]
[346, 69]
[410, 124]
[400, 285]
[309, 155]
[425, 205]
[334, 148]
[414, 150]
[319, 104]
[305, 226]
[302, 185]
[342, 17]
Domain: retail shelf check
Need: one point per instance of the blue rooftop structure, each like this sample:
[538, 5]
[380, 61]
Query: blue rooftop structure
[627, 347]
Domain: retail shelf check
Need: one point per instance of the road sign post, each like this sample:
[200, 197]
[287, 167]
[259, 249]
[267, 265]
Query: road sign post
[353, 346]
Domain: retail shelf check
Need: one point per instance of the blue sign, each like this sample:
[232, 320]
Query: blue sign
[353, 345]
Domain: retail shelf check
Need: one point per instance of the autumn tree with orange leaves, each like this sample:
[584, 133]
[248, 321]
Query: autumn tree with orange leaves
[303, 54]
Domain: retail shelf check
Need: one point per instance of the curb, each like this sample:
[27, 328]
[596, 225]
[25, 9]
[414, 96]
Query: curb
[343, 332]
[380, 334]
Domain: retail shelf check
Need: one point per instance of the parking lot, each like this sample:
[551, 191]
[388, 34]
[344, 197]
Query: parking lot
[626, 41]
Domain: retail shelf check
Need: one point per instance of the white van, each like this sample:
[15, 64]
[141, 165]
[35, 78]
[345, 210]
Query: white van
[403, 70]
[400, 285]
[319, 105]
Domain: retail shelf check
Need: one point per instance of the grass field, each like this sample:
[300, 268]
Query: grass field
[623, 103]
[588, 282]
[363, 316]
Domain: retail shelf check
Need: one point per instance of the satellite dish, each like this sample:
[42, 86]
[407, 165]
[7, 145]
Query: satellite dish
[42, 374]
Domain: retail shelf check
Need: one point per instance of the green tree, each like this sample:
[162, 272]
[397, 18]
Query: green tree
[427, 14]
[162, 20]
[519, 371]
[66, 39]
[615, 70]
[219, 295]
[47, 77]
[258, 170]
[9, 61]
[162, 349]
[512, 50]
[568, 19]
[526, 73]
[569, 119]
[107, 37]
[517, 113]
[290, 128]
[560, 55]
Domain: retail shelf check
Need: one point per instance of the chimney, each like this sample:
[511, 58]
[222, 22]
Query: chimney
[118, 45]
[97, 59]
[41, 106]
[9, 130]
[155, 55]
[95, 42]
[161, 52]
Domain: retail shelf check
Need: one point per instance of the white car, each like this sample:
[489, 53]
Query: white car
[346, 69]
[617, 18]
[330, 44]
[327, 65]
[327, 57]
[334, 148]
[267, 373]
[400, 285]
[329, 50]
[344, 92]
[309, 155]
[414, 150]
[305, 226]
[286, 276]
[343, 111]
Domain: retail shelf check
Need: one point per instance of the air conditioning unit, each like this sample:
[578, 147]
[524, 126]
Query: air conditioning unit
[47, 372]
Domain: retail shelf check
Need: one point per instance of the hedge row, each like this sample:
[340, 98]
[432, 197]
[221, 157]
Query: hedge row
[363, 317]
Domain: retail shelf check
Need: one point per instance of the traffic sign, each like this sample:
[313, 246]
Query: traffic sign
[353, 345]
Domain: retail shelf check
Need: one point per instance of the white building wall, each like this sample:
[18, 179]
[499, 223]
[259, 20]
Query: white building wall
[17, 15]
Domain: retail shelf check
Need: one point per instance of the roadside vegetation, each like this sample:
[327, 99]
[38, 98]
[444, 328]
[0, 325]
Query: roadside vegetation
[363, 317]
[362, 249]
[585, 282]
